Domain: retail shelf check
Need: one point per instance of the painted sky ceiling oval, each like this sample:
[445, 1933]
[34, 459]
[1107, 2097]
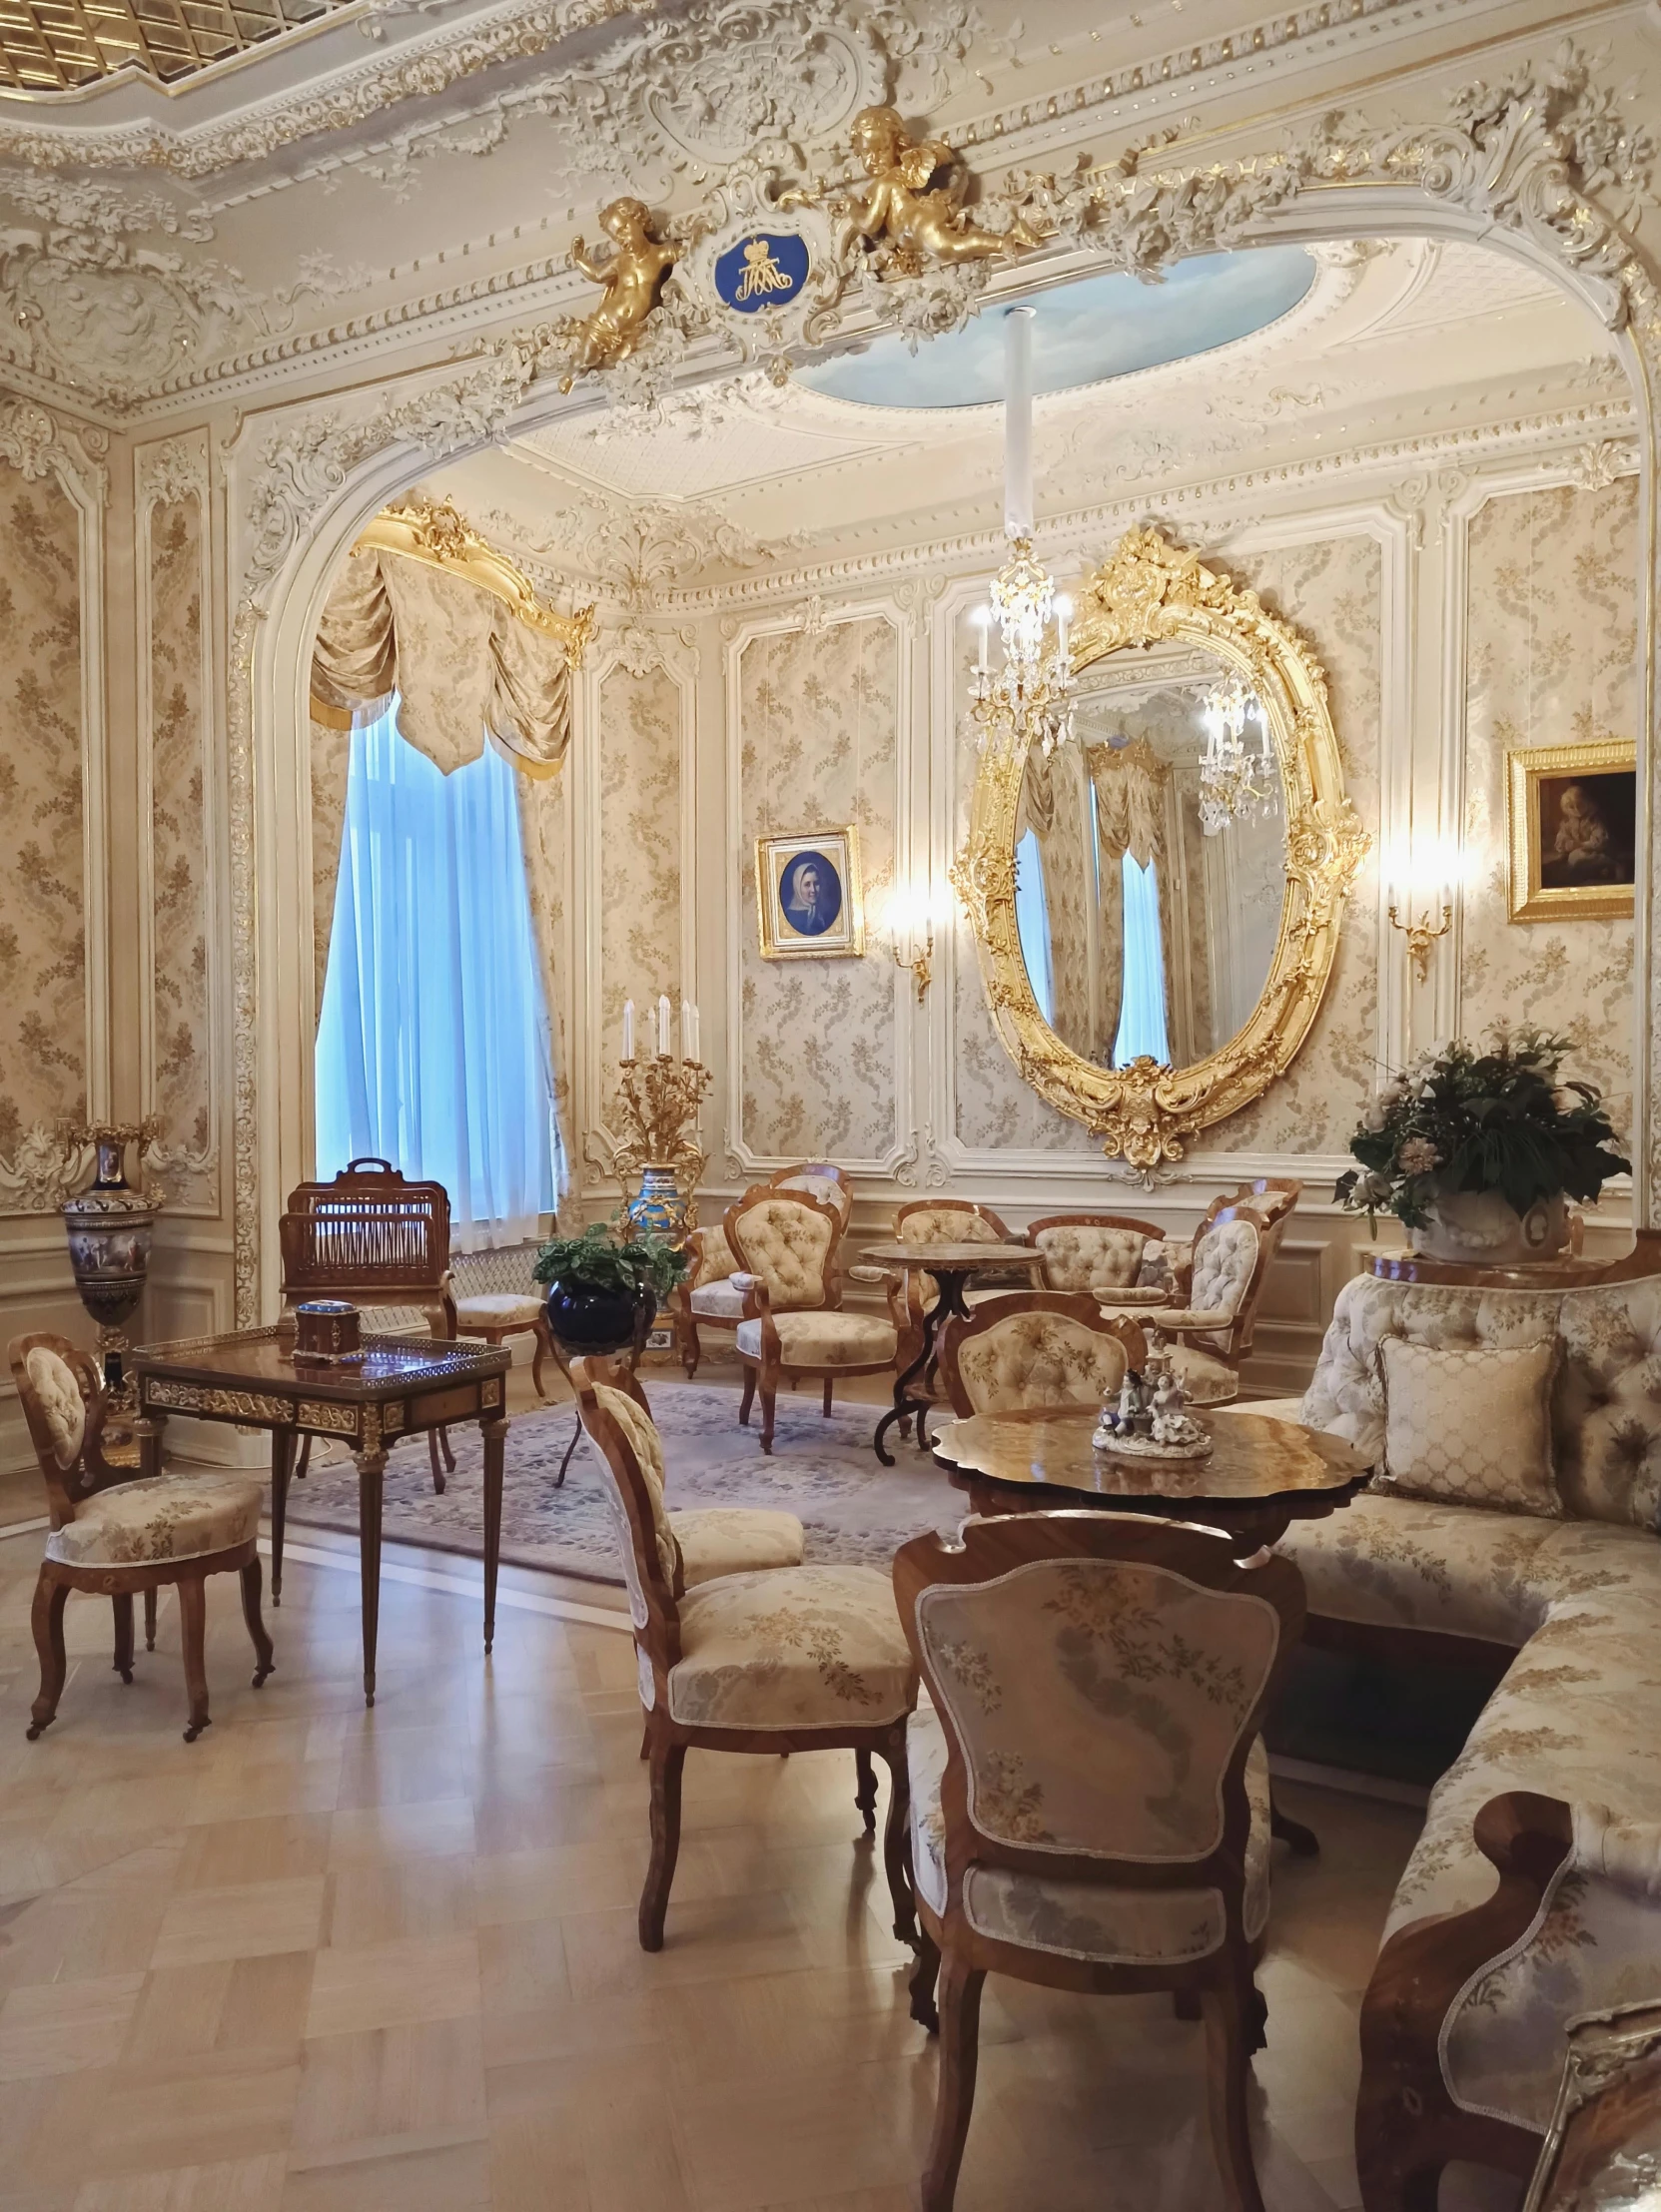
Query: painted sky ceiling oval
[1086, 333]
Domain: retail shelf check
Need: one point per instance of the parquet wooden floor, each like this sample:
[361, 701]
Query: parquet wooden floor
[335, 1960]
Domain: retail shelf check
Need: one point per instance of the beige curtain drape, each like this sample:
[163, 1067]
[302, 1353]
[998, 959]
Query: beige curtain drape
[461, 662]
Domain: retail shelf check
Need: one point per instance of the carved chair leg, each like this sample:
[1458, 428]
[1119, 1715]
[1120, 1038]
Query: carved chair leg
[865, 1789]
[149, 1619]
[47, 1620]
[830, 1386]
[264, 1658]
[924, 1975]
[769, 1403]
[896, 1837]
[1227, 2067]
[691, 1352]
[667, 1759]
[123, 1607]
[545, 1346]
[448, 1448]
[432, 1436]
[305, 1459]
[749, 1399]
[960, 2033]
[193, 1621]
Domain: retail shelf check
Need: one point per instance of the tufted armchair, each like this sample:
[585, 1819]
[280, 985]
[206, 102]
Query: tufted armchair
[1037, 1348]
[786, 1241]
[1212, 1332]
[1465, 2028]
[115, 1536]
[1089, 1793]
[791, 1659]
[1084, 1249]
[952, 1221]
[707, 1296]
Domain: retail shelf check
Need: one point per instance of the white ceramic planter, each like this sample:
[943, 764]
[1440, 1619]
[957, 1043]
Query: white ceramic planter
[1477, 1226]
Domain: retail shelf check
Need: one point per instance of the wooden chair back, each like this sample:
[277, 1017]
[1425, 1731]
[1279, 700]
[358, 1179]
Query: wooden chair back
[1274, 1197]
[614, 1411]
[62, 1395]
[1037, 1348]
[789, 1239]
[1024, 1635]
[1051, 1231]
[1235, 1343]
[373, 1236]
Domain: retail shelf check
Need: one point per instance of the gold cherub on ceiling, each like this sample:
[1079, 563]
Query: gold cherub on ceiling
[911, 211]
[633, 278]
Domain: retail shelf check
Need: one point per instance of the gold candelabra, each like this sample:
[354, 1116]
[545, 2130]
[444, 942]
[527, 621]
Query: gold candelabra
[657, 1109]
[1421, 935]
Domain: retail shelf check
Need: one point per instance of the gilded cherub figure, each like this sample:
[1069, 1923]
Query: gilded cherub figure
[910, 219]
[633, 279]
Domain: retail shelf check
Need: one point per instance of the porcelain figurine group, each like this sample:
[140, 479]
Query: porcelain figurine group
[1150, 1417]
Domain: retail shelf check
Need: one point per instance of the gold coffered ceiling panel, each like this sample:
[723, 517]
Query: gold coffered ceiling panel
[63, 45]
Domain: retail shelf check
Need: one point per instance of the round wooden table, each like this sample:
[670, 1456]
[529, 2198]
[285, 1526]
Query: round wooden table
[951, 1265]
[1263, 1475]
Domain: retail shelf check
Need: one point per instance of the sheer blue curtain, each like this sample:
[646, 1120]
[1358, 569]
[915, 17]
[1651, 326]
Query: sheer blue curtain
[1142, 1014]
[433, 1050]
[1031, 922]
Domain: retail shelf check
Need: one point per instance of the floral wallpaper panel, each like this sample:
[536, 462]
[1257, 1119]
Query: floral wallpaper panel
[1331, 589]
[819, 722]
[182, 1077]
[43, 1017]
[1551, 658]
[639, 862]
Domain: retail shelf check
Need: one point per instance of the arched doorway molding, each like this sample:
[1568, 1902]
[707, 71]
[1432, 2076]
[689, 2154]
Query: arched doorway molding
[302, 501]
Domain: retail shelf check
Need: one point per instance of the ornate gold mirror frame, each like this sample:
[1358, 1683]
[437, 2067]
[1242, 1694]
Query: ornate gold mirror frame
[1150, 592]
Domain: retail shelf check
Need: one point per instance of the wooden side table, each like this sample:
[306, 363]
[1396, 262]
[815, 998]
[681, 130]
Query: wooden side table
[951, 1265]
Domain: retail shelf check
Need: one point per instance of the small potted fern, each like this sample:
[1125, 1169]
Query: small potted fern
[605, 1290]
[1478, 1152]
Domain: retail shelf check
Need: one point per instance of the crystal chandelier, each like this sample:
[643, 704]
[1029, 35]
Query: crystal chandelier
[1236, 782]
[1030, 696]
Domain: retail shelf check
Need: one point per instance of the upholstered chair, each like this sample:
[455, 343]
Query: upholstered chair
[793, 1659]
[496, 1296]
[1037, 1348]
[119, 1537]
[1465, 2026]
[953, 1221]
[791, 1325]
[1083, 1249]
[1212, 1334]
[706, 1296]
[1089, 1793]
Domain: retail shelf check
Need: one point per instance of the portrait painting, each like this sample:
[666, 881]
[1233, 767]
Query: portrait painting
[808, 893]
[1572, 822]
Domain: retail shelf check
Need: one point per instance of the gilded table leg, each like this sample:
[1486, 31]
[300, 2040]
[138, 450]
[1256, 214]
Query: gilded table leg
[282, 1444]
[495, 1438]
[372, 1466]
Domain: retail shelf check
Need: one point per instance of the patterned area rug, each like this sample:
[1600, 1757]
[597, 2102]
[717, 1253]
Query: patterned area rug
[853, 1511]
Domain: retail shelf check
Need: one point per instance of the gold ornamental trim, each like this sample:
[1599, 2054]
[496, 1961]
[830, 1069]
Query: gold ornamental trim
[192, 1398]
[333, 1420]
[1148, 592]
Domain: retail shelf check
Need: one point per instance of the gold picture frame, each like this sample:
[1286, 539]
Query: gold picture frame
[1573, 863]
[810, 904]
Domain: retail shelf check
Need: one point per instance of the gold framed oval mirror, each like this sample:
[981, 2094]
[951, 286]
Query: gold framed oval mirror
[1156, 900]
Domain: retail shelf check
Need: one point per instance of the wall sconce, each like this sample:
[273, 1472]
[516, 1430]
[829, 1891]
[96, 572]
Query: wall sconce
[1421, 935]
[910, 931]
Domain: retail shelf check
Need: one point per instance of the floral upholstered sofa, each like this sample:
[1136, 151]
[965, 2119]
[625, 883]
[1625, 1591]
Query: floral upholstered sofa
[1462, 2029]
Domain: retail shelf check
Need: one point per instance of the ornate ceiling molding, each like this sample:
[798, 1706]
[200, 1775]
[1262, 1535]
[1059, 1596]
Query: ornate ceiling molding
[172, 469]
[38, 441]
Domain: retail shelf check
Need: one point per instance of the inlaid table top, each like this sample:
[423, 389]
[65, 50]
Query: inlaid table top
[263, 1359]
[936, 1257]
[1256, 1458]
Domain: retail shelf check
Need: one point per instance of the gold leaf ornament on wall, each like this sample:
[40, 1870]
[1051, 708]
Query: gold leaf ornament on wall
[1151, 593]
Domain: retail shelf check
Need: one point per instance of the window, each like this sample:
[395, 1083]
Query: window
[1141, 1010]
[433, 1050]
[1031, 922]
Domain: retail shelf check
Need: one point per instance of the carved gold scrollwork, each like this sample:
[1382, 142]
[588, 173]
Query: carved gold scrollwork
[1148, 592]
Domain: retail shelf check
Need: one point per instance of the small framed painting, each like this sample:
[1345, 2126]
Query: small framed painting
[1571, 818]
[808, 894]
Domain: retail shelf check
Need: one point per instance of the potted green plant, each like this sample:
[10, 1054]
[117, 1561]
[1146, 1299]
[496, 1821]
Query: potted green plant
[1476, 1151]
[604, 1291]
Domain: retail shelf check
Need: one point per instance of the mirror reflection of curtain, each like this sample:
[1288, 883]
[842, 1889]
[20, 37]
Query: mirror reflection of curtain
[1031, 922]
[1131, 786]
[1142, 1022]
[1054, 808]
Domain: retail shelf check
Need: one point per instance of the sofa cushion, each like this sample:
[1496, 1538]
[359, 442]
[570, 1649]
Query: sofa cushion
[1609, 1406]
[1415, 1563]
[138, 1523]
[1470, 1425]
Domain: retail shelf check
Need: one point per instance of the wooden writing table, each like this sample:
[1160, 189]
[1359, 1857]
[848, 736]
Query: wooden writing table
[404, 1387]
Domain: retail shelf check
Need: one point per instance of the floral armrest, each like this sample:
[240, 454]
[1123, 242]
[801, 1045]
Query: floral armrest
[878, 1277]
[1180, 1319]
[1463, 2027]
[712, 1258]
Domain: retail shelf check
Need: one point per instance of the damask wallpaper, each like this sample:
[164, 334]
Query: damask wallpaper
[639, 850]
[1550, 659]
[182, 1072]
[43, 1017]
[818, 716]
[1331, 590]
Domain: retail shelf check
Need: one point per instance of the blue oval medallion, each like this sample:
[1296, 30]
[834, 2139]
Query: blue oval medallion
[765, 269]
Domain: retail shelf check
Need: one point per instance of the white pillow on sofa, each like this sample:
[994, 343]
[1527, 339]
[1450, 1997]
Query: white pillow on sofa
[1470, 1426]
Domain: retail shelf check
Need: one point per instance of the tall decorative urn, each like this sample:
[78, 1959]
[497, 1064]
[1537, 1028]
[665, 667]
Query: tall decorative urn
[109, 1226]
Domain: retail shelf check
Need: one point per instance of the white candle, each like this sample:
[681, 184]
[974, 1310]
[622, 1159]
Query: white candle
[1018, 422]
[665, 1026]
[628, 1028]
[1064, 616]
[654, 1044]
[687, 1052]
[692, 1048]
[983, 618]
